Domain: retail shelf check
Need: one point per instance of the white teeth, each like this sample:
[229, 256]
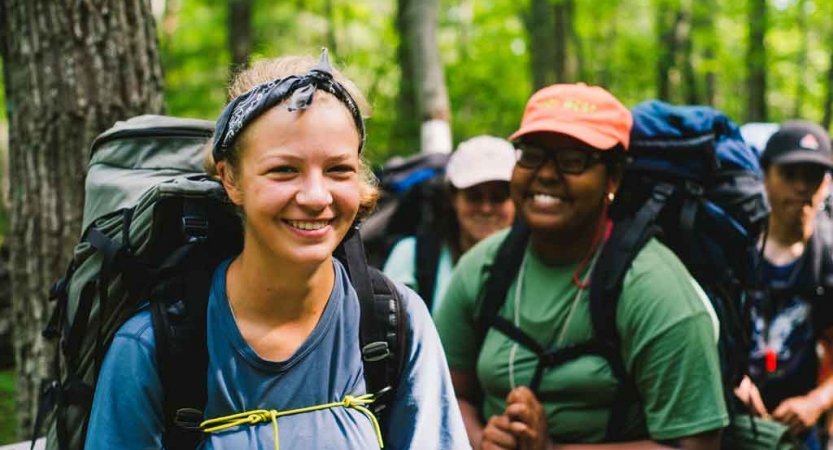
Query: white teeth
[309, 225]
[545, 200]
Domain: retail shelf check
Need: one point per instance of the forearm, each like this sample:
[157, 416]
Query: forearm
[823, 394]
[471, 419]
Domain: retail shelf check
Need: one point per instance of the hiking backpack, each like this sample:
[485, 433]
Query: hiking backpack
[693, 183]
[413, 202]
[155, 227]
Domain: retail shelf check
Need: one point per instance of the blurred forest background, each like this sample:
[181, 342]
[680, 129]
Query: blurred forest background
[478, 62]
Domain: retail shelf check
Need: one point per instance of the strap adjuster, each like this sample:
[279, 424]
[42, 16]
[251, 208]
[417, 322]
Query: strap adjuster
[188, 418]
[195, 229]
[375, 351]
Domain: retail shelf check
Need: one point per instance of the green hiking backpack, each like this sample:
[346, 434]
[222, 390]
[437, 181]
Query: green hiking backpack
[154, 229]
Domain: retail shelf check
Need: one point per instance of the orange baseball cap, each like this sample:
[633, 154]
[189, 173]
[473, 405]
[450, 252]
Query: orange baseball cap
[587, 113]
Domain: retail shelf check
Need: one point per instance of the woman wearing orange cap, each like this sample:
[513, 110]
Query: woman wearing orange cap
[571, 154]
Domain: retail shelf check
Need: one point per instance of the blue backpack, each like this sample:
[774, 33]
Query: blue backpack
[693, 183]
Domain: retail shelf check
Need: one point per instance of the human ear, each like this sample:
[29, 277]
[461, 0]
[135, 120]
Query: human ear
[226, 174]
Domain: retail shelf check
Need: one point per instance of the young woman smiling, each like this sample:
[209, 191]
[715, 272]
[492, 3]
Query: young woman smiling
[571, 153]
[283, 318]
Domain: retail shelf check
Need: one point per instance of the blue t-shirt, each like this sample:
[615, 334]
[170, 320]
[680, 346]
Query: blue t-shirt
[127, 409]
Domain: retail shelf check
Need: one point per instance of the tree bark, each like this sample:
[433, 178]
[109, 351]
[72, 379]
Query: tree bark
[331, 27]
[406, 128]
[828, 100]
[547, 44]
[240, 33]
[756, 80]
[576, 57]
[704, 12]
[669, 19]
[801, 59]
[420, 21]
[692, 91]
[72, 68]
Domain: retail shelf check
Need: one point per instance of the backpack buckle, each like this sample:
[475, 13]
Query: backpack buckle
[375, 351]
[195, 229]
[188, 418]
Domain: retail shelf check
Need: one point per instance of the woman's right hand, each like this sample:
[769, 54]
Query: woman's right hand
[748, 393]
[497, 435]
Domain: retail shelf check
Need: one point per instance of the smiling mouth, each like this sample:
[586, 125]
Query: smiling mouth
[546, 200]
[308, 225]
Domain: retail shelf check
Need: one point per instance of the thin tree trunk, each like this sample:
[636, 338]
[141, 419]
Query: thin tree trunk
[828, 100]
[406, 129]
[71, 70]
[756, 80]
[609, 41]
[547, 48]
[801, 59]
[692, 91]
[432, 96]
[559, 44]
[239, 33]
[576, 59]
[331, 27]
[704, 12]
[668, 21]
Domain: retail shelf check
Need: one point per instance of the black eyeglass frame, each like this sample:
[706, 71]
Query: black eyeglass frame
[591, 156]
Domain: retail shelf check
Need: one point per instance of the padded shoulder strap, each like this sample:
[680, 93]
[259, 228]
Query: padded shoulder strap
[428, 249]
[506, 266]
[382, 333]
[626, 240]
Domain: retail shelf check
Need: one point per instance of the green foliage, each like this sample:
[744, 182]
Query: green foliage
[8, 419]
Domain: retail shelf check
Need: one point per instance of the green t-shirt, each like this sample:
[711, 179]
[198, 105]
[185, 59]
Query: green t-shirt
[401, 266]
[667, 344]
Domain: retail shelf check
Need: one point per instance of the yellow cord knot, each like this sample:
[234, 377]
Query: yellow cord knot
[261, 415]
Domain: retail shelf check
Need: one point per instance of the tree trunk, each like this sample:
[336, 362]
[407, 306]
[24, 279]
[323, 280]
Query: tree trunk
[756, 109]
[801, 59]
[331, 27]
[557, 48]
[547, 44]
[72, 68]
[669, 19]
[240, 33]
[406, 128]
[432, 102]
[828, 100]
[692, 91]
[704, 12]
[576, 57]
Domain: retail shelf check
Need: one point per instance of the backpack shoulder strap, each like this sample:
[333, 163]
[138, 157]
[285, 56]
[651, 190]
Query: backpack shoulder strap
[506, 265]
[382, 334]
[428, 250]
[628, 237]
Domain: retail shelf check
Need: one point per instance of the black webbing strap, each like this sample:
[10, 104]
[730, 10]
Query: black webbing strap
[428, 249]
[626, 240]
[375, 316]
[507, 263]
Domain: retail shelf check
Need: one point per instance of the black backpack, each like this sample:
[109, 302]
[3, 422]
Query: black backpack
[694, 184]
[155, 229]
[414, 203]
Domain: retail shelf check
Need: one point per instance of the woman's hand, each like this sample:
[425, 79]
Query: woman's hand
[529, 422]
[748, 393]
[497, 435]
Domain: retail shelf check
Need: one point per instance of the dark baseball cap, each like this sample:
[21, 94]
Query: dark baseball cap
[799, 141]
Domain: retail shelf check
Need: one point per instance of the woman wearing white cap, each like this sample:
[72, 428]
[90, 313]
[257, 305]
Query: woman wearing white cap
[478, 175]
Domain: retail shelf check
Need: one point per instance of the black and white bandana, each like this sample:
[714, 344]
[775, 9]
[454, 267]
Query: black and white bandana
[244, 109]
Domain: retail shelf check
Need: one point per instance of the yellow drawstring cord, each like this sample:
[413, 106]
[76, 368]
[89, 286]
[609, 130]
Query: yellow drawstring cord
[261, 415]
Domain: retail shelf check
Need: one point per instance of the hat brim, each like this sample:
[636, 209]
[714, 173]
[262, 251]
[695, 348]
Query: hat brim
[588, 135]
[803, 156]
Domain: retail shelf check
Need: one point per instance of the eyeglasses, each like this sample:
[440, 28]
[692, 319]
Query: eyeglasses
[572, 160]
[478, 196]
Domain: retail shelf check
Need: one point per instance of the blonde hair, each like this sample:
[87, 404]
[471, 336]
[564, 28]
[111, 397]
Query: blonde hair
[267, 70]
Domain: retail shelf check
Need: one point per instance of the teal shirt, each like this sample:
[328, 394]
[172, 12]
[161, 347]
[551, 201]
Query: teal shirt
[401, 267]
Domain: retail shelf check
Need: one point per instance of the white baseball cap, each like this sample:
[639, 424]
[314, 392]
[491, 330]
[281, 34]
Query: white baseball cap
[480, 159]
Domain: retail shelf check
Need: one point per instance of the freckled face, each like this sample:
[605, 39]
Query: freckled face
[297, 181]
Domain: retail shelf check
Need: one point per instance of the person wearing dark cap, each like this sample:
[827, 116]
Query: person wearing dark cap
[794, 312]
[571, 152]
